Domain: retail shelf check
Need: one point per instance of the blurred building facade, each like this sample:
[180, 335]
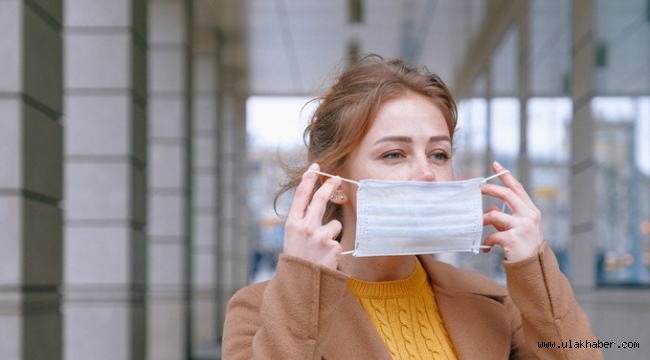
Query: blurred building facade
[131, 209]
[123, 159]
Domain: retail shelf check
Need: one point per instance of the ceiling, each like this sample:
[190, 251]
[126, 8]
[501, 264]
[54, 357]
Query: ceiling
[296, 46]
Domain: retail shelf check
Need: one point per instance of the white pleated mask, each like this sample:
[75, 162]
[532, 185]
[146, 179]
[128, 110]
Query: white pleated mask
[418, 217]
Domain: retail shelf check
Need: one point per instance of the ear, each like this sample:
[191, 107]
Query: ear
[339, 197]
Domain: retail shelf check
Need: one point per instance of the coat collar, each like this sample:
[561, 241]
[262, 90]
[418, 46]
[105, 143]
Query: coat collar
[471, 307]
[469, 304]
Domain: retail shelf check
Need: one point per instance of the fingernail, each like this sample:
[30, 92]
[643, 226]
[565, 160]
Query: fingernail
[497, 165]
[313, 166]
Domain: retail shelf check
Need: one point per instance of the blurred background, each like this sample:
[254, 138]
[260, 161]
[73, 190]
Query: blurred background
[139, 147]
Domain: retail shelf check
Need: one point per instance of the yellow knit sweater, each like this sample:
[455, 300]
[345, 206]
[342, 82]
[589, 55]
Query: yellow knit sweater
[406, 315]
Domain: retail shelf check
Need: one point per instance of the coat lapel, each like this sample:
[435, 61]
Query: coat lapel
[352, 334]
[478, 327]
[470, 306]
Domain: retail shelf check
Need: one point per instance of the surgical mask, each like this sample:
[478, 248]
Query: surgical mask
[417, 217]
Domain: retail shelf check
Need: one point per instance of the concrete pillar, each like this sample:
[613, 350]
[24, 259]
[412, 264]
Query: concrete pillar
[170, 184]
[204, 176]
[234, 241]
[583, 236]
[31, 185]
[499, 17]
[523, 91]
[105, 179]
[489, 116]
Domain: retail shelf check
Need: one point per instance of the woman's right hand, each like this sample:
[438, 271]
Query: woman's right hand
[305, 236]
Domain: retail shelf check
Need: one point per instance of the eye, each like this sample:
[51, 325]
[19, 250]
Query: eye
[392, 155]
[440, 156]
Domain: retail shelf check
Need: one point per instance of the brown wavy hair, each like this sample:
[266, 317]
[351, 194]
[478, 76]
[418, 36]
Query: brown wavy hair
[345, 113]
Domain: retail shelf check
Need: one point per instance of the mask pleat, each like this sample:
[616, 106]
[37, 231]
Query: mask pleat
[418, 217]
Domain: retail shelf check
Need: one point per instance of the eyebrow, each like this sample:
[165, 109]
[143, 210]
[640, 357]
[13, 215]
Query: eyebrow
[407, 139]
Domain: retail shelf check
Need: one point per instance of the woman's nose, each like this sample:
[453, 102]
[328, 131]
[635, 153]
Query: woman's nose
[424, 171]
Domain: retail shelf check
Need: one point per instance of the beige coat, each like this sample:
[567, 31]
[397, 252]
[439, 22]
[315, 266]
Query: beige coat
[307, 312]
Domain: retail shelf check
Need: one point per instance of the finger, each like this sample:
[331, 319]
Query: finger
[513, 249]
[494, 208]
[506, 239]
[514, 202]
[496, 238]
[511, 183]
[489, 242]
[322, 196]
[499, 220]
[333, 228]
[331, 259]
[303, 193]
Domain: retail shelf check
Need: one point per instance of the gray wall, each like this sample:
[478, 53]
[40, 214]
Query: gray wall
[112, 149]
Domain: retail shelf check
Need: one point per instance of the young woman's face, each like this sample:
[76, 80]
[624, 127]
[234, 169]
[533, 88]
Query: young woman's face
[408, 140]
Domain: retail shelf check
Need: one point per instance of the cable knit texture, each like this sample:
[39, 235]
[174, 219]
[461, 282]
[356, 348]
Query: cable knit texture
[406, 316]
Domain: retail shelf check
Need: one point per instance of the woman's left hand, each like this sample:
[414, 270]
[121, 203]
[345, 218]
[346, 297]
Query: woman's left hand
[519, 233]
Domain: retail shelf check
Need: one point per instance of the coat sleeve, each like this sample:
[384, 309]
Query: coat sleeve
[550, 313]
[284, 319]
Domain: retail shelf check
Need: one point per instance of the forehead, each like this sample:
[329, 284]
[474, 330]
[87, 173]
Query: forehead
[411, 114]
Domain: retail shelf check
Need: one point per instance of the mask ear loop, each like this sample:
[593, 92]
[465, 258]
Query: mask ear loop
[334, 176]
[493, 176]
[503, 207]
[350, 252]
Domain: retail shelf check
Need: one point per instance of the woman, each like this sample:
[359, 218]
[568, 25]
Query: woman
[384, 120]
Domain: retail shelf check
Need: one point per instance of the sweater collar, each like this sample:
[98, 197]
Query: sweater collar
[391, 289]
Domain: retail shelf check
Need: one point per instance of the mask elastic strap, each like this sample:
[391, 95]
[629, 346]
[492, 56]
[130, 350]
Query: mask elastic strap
[357, 183]
[503, 207]
[334, 176]
[496, 175]
[350, 252]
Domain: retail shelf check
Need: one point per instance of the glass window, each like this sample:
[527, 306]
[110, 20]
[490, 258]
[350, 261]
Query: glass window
[548, 132]
[470, 139]
[471, 128]
[622, 155]
[274, 127]
[505, 130]
[549, 150]
[474, 151]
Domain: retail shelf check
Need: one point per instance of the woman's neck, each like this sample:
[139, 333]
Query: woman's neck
[377, 268]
